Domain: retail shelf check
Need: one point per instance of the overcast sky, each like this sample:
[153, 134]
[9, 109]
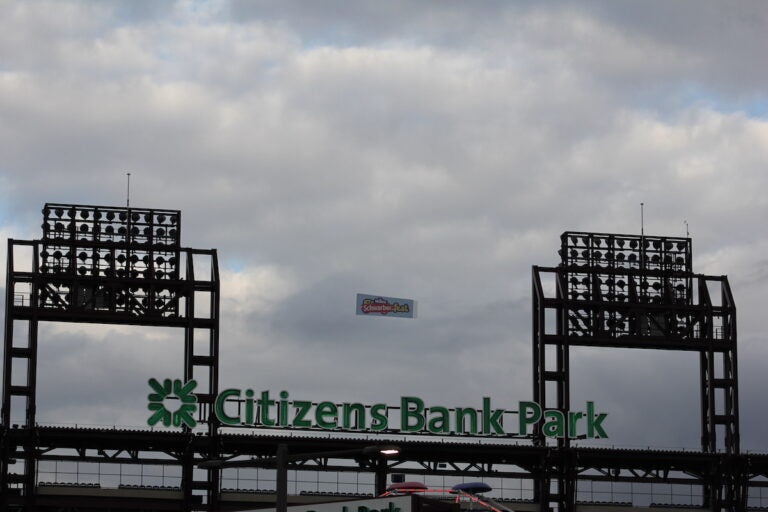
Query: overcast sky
[429, 150]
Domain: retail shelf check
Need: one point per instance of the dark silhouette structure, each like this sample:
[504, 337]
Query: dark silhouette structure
[105, 265]
[640, 292]
[127, 266]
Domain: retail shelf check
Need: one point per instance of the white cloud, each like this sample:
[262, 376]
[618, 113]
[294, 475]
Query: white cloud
[255, 290]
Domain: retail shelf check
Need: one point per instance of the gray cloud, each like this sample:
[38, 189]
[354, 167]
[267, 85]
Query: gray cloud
[433, 151]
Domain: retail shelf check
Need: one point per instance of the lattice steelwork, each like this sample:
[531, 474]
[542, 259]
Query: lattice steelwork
[101, 264]
[607, 269]
[127, 266]
[92, 258]
[638, 292]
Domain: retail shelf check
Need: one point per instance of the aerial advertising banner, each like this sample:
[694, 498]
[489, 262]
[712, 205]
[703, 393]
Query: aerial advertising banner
[377, 305]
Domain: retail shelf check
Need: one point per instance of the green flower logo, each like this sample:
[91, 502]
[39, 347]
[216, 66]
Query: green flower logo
[172, 389]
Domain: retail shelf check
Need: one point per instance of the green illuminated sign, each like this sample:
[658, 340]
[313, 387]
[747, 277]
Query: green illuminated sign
[168, 390]
[236, 407]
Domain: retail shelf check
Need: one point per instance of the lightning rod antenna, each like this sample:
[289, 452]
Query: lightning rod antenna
[642, 219]
[687, 233]
[128, 191]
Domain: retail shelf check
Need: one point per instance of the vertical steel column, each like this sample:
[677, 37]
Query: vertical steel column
[12, 353]
[539, 352]
[8, 349]
[554, 473]
[381, 476]
[189, 313]
[214, 475]
[30, 448]
[6, 447]
[540, 481]
[213, 347]
[707, 365]
[187, 476]
[281, 484]
[207, 363]
[730, 367]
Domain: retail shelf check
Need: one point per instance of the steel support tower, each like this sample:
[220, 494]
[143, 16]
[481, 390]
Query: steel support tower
[106, 265]
[127, 266]
[629, 291]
